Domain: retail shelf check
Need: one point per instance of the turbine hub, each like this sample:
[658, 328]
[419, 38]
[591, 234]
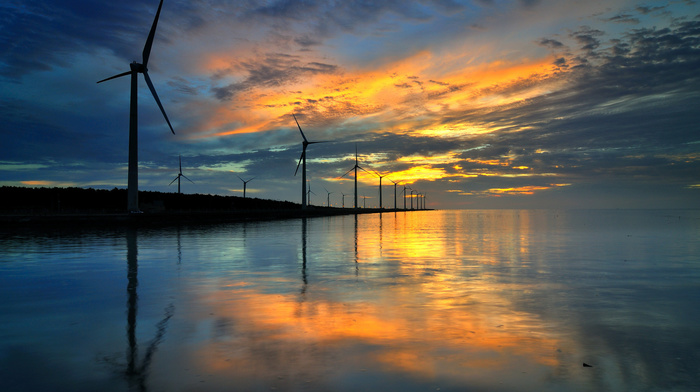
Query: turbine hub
[137, 67]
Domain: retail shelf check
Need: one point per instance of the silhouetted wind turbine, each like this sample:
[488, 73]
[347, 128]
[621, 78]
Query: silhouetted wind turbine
[302, 162]
[404, 196]
[136, 68]
[343, 198]
[354, 168]
[245, 183]
[180, 175]
[395, 183]
[308, 194]
[380, 188]
[329, 196]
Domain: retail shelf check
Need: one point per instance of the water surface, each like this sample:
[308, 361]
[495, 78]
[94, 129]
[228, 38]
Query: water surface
[415, 301]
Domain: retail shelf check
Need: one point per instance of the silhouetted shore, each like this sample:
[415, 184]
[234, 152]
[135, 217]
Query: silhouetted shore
[78, 206]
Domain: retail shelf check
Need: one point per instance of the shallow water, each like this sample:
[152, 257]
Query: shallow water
[417, 301]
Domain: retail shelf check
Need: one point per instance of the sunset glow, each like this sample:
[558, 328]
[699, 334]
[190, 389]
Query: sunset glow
[493, 98]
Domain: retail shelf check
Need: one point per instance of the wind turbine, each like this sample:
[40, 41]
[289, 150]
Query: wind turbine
[136, 68]
[354, 168]
[180, 175]
[302, 161]
[244, 184]
[309, 192]
[404, 196]
[395, 183]
[343, 198]
[329, 196]
[381, 206]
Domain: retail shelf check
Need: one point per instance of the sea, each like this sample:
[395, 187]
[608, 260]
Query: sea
[463, 300]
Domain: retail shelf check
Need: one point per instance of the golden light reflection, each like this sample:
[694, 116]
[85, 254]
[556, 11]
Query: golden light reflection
[433, 319]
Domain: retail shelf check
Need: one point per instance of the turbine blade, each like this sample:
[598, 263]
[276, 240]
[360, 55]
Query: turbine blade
[180, 159]
[171, 182]
[115, 76]
[155, 95]
[187, 178]
[348, 172]
[239, 177]
[300, 158]
[302, 132]
[149, 41]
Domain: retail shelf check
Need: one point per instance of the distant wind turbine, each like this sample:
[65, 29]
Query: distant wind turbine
[136, 68]
[395, 183]
[380, 188]
[308, 194]
[354, 168]
[245, 183]
[404, 196]
[329, 196]
[343, 198]
[302, 162]
[180, 175]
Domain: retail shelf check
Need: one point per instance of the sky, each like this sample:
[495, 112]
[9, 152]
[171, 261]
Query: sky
[475, 104]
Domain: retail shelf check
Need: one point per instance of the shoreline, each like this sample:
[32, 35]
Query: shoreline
[181, 217]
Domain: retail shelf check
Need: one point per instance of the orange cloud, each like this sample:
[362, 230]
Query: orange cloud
[405, 89]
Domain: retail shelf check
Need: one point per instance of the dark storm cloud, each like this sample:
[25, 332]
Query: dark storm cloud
[40, 35]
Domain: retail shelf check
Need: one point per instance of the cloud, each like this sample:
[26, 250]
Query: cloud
[274, 69]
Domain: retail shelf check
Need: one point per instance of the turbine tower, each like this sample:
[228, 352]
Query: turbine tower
[180, 175]
[136, 68]
[245, 183]
[329, 196]
[302, 162]
[381, 206]
[354, 168]
[309, 192]
[395, 183]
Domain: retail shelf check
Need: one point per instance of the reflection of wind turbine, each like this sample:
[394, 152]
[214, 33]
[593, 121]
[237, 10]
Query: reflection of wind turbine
[138, 374]
[354, 168]
[302, 162]
[303, 256]
[180, 175]
[329, 196]
[136, 68]
[245, 183]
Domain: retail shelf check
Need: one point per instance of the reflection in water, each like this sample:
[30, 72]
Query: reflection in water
[135, 374]
[303, 255]
[448, 300]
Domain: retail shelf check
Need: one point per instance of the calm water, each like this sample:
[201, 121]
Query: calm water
[421, 301]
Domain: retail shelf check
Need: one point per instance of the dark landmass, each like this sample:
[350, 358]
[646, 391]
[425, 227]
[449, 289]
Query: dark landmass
[68, 206]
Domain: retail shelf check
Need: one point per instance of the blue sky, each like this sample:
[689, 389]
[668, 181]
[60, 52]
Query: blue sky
[479, 104]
